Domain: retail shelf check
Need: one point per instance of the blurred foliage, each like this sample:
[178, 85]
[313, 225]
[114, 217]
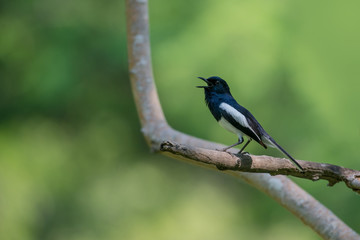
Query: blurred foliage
[73, 162]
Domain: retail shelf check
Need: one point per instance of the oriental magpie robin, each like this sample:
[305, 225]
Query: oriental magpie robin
[235, 118]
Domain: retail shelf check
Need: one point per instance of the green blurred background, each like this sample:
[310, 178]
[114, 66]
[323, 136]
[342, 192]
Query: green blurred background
[73, 162]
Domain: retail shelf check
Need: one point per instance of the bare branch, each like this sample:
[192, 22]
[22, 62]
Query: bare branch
[156, 131]
[266, 164]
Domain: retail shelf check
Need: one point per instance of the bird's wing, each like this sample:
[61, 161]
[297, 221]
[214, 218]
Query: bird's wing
[242, 119]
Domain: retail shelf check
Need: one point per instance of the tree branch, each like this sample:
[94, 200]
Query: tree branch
[156, 131]
[266, 164]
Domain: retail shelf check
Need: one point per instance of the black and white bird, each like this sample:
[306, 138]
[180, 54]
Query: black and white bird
[235, 118]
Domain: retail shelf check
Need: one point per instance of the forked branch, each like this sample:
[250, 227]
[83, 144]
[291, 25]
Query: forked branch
[157, 131]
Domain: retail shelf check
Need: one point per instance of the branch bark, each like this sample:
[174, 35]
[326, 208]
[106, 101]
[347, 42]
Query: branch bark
[156, 131]
[266, 164]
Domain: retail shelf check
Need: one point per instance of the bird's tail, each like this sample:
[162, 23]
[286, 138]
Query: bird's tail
[270, 142]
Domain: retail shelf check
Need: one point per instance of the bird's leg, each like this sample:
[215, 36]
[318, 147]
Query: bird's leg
[242, 149]
[241, 140]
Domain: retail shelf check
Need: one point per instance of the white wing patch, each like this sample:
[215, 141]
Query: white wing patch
[238, 116]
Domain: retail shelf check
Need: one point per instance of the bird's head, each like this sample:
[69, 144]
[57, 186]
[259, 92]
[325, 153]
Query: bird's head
[215, 84]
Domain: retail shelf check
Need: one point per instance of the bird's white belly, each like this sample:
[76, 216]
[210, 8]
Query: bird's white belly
[225, 124]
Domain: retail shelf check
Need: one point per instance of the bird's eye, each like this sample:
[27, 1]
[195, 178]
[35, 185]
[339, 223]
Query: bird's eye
[217, 82]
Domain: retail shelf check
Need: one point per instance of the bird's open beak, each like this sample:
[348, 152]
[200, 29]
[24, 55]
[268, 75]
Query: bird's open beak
[205, 81]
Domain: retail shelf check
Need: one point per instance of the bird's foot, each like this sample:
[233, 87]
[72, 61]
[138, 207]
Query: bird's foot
[226, 151]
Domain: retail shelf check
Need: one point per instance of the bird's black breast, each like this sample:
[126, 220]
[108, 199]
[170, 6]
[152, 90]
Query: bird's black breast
[213, 102]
